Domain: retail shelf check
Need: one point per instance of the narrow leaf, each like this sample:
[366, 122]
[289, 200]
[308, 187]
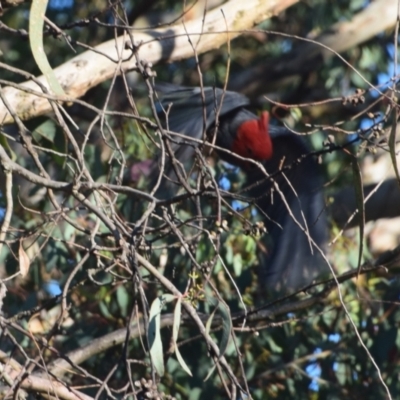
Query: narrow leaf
[226, 327]
[123, 300]
[177, 320]
[24, 262]
[210, 373]
[154, 336]
[36, 22]
[209, 322]
[392, 145]
[358, 187]
[4, 143]
[213, 302]
[175, 330]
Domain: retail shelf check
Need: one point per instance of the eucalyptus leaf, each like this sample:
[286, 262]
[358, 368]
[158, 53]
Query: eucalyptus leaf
[47, 130]
[226, 327]
[175, 330]
[237, 264]
[36, 22]
[123, 300]
[154, 336]
[358, 186]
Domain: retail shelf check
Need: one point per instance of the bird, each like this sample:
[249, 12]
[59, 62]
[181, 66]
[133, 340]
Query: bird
[289, 197]
[191, 111]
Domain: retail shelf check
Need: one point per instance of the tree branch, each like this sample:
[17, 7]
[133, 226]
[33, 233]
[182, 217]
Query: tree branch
[97, 65]
[305, 56]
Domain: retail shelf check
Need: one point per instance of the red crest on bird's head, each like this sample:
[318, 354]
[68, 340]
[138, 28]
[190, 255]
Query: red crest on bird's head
[253, 139]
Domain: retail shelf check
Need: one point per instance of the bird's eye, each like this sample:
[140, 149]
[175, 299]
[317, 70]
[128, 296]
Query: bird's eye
[249, 151]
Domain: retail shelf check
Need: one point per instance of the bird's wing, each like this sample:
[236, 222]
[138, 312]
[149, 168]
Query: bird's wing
[292, 261]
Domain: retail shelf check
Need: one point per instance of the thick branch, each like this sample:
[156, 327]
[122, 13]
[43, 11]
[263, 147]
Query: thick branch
[382, 204]
[92, 67]
[305, 56]
[10, 368]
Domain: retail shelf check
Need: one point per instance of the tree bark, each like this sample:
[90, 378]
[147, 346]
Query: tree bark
[177, 42]
[385, 203]
[306, 56]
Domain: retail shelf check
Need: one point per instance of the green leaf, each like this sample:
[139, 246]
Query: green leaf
[4, 143]
[36, 22]
[392, 145]
[175, 330]
[229, 254]
[341, 373]
[209, 373]
[237, 264]
[154, 336]
[250, 244]
[46, 130]
[213, 302]
[226, 327]
[358, 186]
[104, 310]
[209, 321]
[123, 300]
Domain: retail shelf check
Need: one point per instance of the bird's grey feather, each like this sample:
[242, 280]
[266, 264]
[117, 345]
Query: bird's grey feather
[292, 262]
